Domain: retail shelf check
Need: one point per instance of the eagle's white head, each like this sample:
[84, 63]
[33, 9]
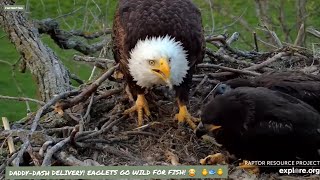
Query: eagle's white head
[158, 61]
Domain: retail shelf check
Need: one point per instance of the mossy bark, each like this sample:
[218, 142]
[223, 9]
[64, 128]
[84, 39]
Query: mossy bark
[50, 74]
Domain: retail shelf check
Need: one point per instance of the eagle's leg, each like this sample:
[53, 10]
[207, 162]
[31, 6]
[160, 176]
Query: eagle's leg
[141, 106]
[184, 116]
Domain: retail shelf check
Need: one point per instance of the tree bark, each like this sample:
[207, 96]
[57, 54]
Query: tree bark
[50, 74]
[262, 11]
[301, 21]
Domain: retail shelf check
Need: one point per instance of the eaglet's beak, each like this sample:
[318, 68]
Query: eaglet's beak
[205, 128]
[162, 69]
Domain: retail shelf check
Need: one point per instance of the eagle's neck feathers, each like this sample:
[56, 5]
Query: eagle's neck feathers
[155, 48]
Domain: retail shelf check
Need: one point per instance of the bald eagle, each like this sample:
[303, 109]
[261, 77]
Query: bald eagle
[158, 42]
[262, 124]
[305, 87]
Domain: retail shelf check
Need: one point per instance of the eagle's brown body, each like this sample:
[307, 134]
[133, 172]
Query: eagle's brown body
[137, 19]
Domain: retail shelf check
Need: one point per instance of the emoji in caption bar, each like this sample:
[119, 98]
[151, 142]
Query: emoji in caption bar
[204, 172]
[192, 172]
[220, 172]
[212, 172]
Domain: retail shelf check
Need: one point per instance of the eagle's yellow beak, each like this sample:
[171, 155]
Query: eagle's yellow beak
[162, 69]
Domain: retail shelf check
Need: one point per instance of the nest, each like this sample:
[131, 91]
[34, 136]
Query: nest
[87, 126]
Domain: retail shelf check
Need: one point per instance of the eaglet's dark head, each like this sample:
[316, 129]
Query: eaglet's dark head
[225, 112]
[221, 89]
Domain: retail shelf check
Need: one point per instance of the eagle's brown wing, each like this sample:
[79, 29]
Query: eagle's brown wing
[305, 87]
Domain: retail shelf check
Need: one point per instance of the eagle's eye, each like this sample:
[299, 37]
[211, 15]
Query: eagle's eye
[152, 62]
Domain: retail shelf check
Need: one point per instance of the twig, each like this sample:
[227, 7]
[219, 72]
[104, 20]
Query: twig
[104, 128]
[22, 150]
[313, 31]
[110, 149]
[76, 78]
[9, 140]
[13, 132]
[277, 40]
[89, 108]
[49, 104]
[5, 62]
[146, 126]
[68, 14]
[70, 160]
[101, 131]
[253, 67]
[92, 73]
[215, 87]
[228, 69]
[141, 133]
[107, 141]
[300, 37]
[108, 93]
[234, 37]
[35, 160]
[36, 121]
[255, 41]
[89, 35]
[267, 62]
[238, 18]
[219, 38]
[92, 59]
[267, 44]
[85, 94]
[7, 162]
[205, 78]
[220, 74]
[274, 36]
[55, 148]
[22, 99]
[225, 57]
[45, 147]
[210, 81]
[55, 130]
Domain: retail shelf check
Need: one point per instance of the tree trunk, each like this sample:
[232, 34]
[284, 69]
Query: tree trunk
[50, 74]
[301, 19]
[262, 11]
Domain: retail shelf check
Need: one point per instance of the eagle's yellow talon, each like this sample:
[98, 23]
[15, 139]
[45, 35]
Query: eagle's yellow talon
[140, 107]
[184, 116]
[213, 159]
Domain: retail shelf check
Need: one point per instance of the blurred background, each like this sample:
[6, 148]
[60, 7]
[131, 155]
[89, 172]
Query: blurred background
[284, 17]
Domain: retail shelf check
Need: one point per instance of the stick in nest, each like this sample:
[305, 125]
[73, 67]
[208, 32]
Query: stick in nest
[35, 123]
[243, 71]
[85, 94]
[55, 148]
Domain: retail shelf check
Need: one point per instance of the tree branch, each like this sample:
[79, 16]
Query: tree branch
[22, 99]
[51, 76]
[65, 39]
